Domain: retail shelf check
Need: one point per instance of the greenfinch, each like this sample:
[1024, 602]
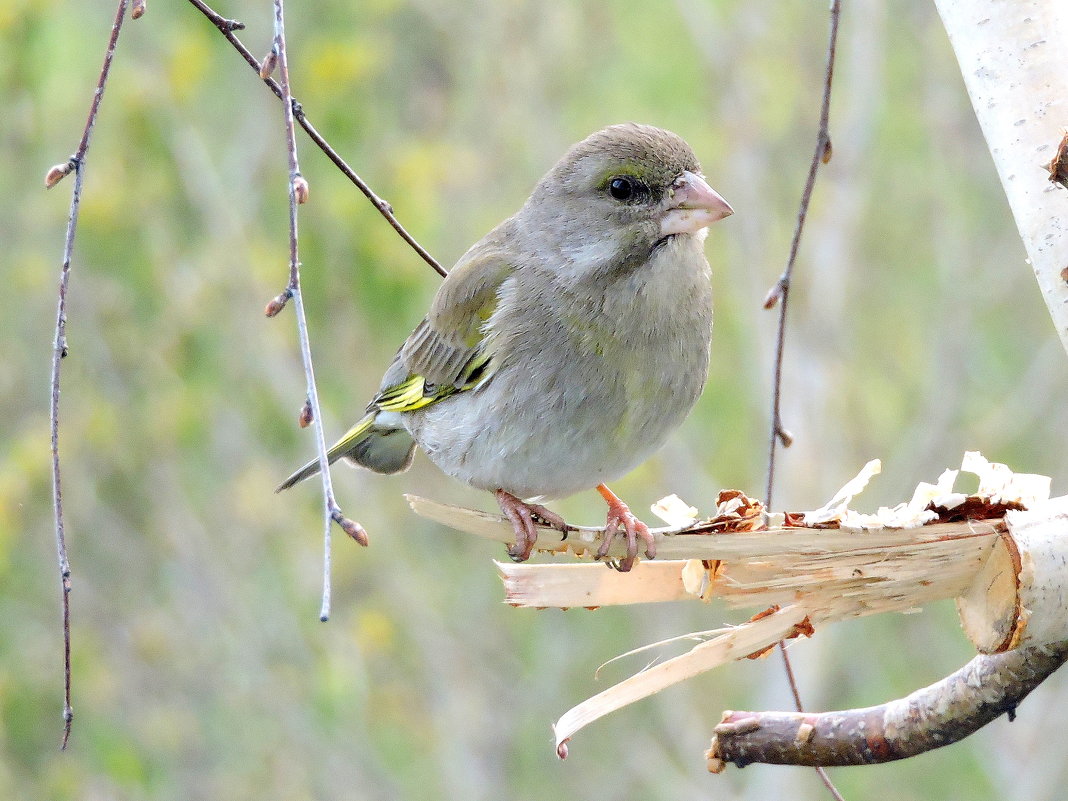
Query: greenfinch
[566, 345]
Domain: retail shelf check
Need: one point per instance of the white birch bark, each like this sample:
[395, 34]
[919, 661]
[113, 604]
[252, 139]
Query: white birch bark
[1013, 55]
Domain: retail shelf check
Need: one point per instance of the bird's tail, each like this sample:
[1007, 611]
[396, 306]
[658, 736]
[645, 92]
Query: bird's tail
[380, 448]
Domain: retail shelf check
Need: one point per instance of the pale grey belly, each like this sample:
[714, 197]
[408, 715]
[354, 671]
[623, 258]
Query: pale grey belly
[568, 422]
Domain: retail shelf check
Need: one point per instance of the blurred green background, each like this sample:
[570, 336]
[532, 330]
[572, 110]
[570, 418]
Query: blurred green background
[200, 668]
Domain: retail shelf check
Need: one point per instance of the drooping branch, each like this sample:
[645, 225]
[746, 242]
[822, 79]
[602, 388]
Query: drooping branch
[227, 27]
[75, 164]
[298, 194]
[780, 293]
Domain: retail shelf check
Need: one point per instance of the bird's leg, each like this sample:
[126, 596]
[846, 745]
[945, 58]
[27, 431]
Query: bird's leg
[521, 515]
[620, 517]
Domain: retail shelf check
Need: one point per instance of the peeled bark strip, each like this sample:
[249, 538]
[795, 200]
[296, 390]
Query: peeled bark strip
[591, 586]
[937, 715]
[735, 643]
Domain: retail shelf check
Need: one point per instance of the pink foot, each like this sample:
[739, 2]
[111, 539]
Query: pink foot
[522, 516]
[621, 518]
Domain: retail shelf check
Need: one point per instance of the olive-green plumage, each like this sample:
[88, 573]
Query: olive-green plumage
[565, 345]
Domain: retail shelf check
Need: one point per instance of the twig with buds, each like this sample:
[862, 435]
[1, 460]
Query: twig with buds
[780, 294]
[265, 69]
[75, 164]
[298, 194]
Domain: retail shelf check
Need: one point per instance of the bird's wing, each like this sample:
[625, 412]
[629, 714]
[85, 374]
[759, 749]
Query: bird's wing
[447, 352]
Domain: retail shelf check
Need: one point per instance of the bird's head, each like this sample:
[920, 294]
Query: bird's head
[620, 193]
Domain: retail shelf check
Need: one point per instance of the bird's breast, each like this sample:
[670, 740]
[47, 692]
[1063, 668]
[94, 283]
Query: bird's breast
[588, 382]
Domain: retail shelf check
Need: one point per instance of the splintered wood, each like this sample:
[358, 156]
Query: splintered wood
[847, 575]
[806, 569]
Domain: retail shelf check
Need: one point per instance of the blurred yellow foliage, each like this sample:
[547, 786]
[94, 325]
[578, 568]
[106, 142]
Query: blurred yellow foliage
[374, 631]
[190, 53]
[201, 670]
[349, 61]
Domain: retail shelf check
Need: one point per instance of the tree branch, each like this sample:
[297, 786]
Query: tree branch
[1014, 64]
[227, 27]
[75, 164]
[943, 713]
[298, 194]
[780, 293]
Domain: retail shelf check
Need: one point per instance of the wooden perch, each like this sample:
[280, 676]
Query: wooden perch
[845, 573]
[1008, 570]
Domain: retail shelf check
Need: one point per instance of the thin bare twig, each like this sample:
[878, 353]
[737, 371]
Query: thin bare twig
[792, 681]
[298, 193]
[75, 164]
[780, 293]
[227, 27]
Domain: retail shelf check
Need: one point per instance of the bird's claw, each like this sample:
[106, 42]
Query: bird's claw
[522, 516]
[621, 519]
[550, 518]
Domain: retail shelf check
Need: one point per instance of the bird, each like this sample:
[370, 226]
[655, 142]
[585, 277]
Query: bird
[563, 347]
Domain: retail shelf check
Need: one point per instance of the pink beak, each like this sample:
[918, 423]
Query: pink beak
[692, 205]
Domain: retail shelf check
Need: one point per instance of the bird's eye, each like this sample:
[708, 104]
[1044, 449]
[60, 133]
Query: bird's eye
[623, 188]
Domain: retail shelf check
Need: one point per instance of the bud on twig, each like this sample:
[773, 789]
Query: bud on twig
[306, 416]
[771, 300]
[828, 151]
[137, 10]
[57, 173]
[300, 188]
[785, 436]
[353, 529]
[277, 304]
[270, 61]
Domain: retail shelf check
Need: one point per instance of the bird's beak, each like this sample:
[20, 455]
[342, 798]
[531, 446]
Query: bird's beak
[692, 205]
